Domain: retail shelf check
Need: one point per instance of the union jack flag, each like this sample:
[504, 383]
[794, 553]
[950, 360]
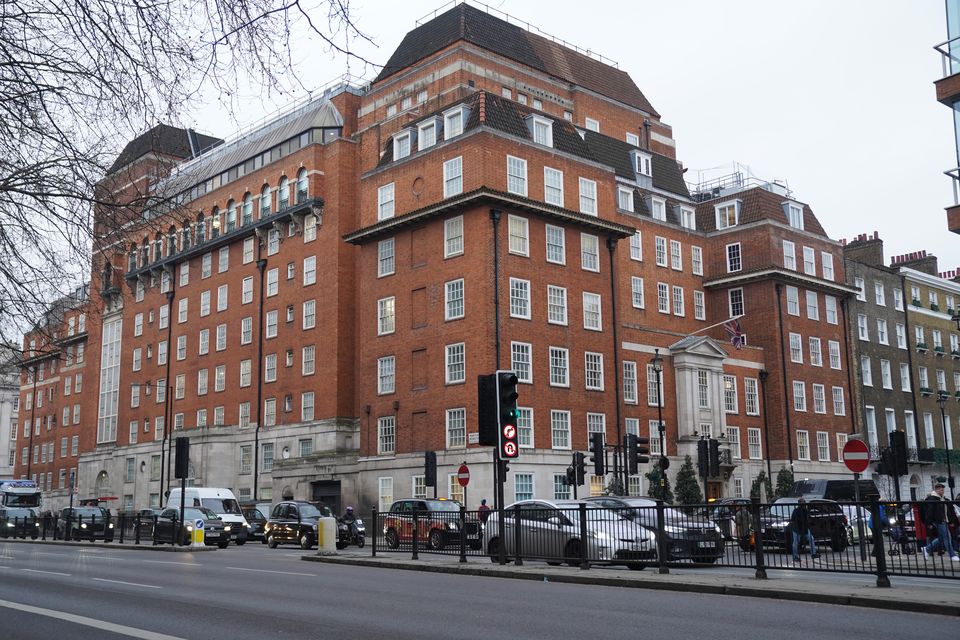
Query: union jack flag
[733, 329]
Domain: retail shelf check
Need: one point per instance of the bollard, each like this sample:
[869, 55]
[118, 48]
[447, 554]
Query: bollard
[662, 550]
[883, 580]
[376, 530]
[416, 536]
[136, 530]
[517, 544]
[463, 533]
[761, 572]
[584, 564]
[327, 536]
[123, 522]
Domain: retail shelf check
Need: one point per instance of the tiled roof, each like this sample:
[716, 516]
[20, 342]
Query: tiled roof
[757, 204]
[465, 22]
[667, 174]
[165, 139]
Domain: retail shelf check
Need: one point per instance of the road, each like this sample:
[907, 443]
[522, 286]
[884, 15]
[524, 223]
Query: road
[255, 592]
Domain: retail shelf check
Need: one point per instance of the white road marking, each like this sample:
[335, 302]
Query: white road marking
[55, 573]
[286, 573]
[185, 564]
[132, 584]
[132, 632]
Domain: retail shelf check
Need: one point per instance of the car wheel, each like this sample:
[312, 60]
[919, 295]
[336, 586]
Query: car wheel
[838, 542]
[263, 540]
[554, 563]
[241, 542]
[271, 541]
[493, 550]
[305, 541]
[705, 559]
[393, 540]
[636, 566]
[223, 544]
[436, 540]
[572, 553]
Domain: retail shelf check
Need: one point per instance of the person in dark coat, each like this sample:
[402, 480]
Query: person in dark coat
[800, 527]
[938, 514]
[484, 511]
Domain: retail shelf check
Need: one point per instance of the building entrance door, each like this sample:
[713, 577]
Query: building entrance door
[714, 490]
[328, 492]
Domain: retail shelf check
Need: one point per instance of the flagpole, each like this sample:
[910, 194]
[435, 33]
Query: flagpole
[717, 324]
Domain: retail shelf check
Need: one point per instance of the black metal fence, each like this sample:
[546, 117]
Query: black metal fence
[123, 529]
[871, 538]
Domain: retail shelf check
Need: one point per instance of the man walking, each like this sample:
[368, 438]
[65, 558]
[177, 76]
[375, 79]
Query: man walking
[938, 513]
[800, 526]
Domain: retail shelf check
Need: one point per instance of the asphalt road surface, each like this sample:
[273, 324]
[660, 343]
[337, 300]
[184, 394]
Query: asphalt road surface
[61, 593]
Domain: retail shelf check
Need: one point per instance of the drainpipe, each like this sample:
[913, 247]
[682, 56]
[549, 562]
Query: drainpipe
[495, 219]
[165, 453]
[906, 331]
[850, 365]
[783, 372]
[617, 466]
[261, 267]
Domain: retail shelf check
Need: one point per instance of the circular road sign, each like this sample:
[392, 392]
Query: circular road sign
[463, 475]
[856, 456]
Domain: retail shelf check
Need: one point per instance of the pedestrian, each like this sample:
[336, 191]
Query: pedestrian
[742, 520]
[938, 514]
[484, 511]
[800, 526]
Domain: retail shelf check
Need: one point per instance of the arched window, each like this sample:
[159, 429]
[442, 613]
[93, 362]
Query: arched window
[158, 247]
[185, 235]
[283, 197]
[247, 212]
[201, 232]
[231, 216]
[145, 252]
[215, 222]
[303, 188]
[265, 204]
[132, 258]
[171, 240]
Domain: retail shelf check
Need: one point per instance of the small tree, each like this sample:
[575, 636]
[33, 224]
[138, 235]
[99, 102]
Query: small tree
[656, 491]
[762, 487]
[784, 482]
[614, 487]
[688, 489]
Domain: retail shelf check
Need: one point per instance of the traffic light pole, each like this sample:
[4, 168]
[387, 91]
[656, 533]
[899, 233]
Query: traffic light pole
[499, 478]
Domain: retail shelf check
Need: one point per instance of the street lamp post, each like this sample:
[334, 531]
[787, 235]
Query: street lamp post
[657, 363]
[942, 401]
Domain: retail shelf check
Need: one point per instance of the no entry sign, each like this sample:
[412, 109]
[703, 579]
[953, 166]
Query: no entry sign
[856, 456]
[463, 475]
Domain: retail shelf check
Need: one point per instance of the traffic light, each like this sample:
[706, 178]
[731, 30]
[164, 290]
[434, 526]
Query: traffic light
[703, 458]
[597, 457]
[430, 468]
[181, 466]
[714, 457]
[664, 463]
[507, 412]
[898, 448]
[487, 410]
[579, 467]
[635, 449]
[571, 477]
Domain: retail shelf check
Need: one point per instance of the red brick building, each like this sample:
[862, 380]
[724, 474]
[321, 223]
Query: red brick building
[312, 301]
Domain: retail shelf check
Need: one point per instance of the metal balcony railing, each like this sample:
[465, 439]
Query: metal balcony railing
[950, 56]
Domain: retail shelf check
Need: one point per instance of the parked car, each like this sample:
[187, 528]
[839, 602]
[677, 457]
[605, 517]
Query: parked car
[689, 536]
[295, 522]
[550, 529]
[90, 523]
[827, 523]
[215, 530]
[19, 522]
[257, 522]
[722, 513]
[438, 522]
[857, 516]
[219, 500]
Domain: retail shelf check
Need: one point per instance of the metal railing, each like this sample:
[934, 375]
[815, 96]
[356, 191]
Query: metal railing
[949, 56]
[867, 537]
[122, 529]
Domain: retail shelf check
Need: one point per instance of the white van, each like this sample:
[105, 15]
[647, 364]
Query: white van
[220, 501]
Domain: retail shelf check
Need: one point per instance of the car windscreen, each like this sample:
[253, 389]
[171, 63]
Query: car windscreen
[443, 505]
[311, 511]
[194, 513]
[782, 511]
[87, 512]
[222, 505]
[18, 513]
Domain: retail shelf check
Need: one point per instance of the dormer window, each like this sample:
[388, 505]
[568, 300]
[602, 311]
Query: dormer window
[658, 208]
[625, 198]
[688, 217]
[642, 163]
[728, 214]
[402, 144]
[633, 139]
[454, 121]
[541, 129]
[794, 213]
[426, 134]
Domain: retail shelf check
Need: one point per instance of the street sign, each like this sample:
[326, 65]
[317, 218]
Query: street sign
[463, 475]
[856, 456]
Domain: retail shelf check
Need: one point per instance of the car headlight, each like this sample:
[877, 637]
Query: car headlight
[36, 524]
[226, 528]
[315, 526]
[111, 525]
[189, 527]
[83, 526]
[783, 524]
[670, 529]
[716, 528]
[9, 524]
[453, 526]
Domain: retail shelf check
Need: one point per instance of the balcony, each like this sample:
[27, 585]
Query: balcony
[938, 455]
[948, 86]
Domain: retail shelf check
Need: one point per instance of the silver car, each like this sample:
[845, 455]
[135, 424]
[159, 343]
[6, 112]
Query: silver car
[550, 530]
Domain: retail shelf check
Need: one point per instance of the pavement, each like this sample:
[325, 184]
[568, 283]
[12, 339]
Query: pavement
[928, 595]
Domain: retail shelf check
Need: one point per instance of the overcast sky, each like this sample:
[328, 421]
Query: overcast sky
[836, 98]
